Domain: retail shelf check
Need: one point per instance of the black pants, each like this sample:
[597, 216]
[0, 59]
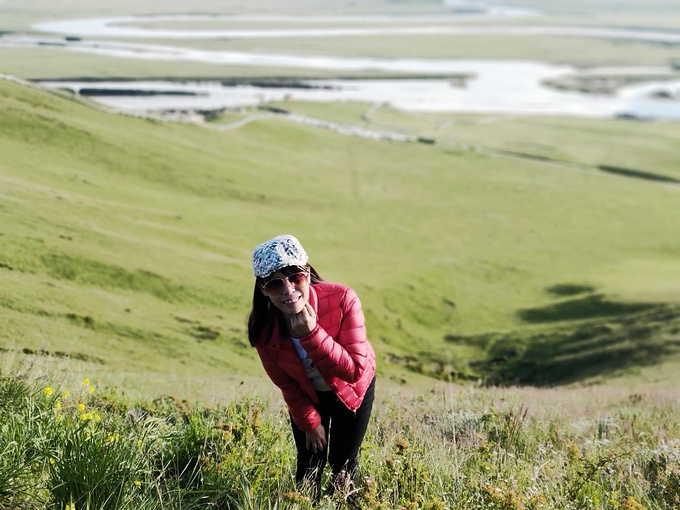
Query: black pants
[345, 431]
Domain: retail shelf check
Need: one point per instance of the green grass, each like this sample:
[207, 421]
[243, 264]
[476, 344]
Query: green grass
[619, 143]
[346, 112]
[87, 446]
[126, 242]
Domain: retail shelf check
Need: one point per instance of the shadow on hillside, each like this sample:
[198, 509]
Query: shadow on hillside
[588, 307]
[598, 348]
[569, 289]
[638, 174]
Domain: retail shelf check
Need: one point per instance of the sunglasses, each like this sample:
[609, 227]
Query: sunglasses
[298, 280]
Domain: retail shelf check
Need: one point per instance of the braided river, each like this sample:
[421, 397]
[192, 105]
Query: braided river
[498, 86]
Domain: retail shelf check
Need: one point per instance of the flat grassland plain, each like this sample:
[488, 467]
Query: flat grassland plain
[538, 256]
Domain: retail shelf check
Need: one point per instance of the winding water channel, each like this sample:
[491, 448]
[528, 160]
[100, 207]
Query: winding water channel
[493, 86]
[412, 25]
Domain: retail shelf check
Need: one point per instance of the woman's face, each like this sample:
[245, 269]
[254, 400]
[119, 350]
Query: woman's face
[293, 294]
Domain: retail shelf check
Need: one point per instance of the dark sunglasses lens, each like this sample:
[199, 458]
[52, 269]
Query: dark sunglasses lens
[274, 286]
[298, 279]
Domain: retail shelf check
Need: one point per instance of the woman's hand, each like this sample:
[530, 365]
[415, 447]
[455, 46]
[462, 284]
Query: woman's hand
[304, 322]
[316, 439]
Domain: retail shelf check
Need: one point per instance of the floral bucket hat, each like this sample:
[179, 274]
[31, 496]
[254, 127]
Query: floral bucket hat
[280, 251]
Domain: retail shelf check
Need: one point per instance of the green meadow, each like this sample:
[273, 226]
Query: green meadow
[126, 241]
[520, 277]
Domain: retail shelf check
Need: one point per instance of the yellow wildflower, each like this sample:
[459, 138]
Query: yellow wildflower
[66, 394]
[138, 483]
[52, 461]
[57, 406]
[81, 407]
[86, 382]
[48, 391]
[97, 417]
[60, 417]
[139, 442]
[91, 390]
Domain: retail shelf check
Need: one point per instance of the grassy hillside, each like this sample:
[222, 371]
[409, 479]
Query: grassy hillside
[649, 147]
[125, 246]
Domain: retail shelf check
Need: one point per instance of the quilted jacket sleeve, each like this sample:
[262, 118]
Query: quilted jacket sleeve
[299, 404]
[346, 356]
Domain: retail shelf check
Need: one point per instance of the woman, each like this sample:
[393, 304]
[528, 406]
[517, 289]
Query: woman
[311, 338]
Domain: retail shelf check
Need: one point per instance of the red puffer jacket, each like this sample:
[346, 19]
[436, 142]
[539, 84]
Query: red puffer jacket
[338, 347]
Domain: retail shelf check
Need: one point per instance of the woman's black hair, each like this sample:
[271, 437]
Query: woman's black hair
[264, 313]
